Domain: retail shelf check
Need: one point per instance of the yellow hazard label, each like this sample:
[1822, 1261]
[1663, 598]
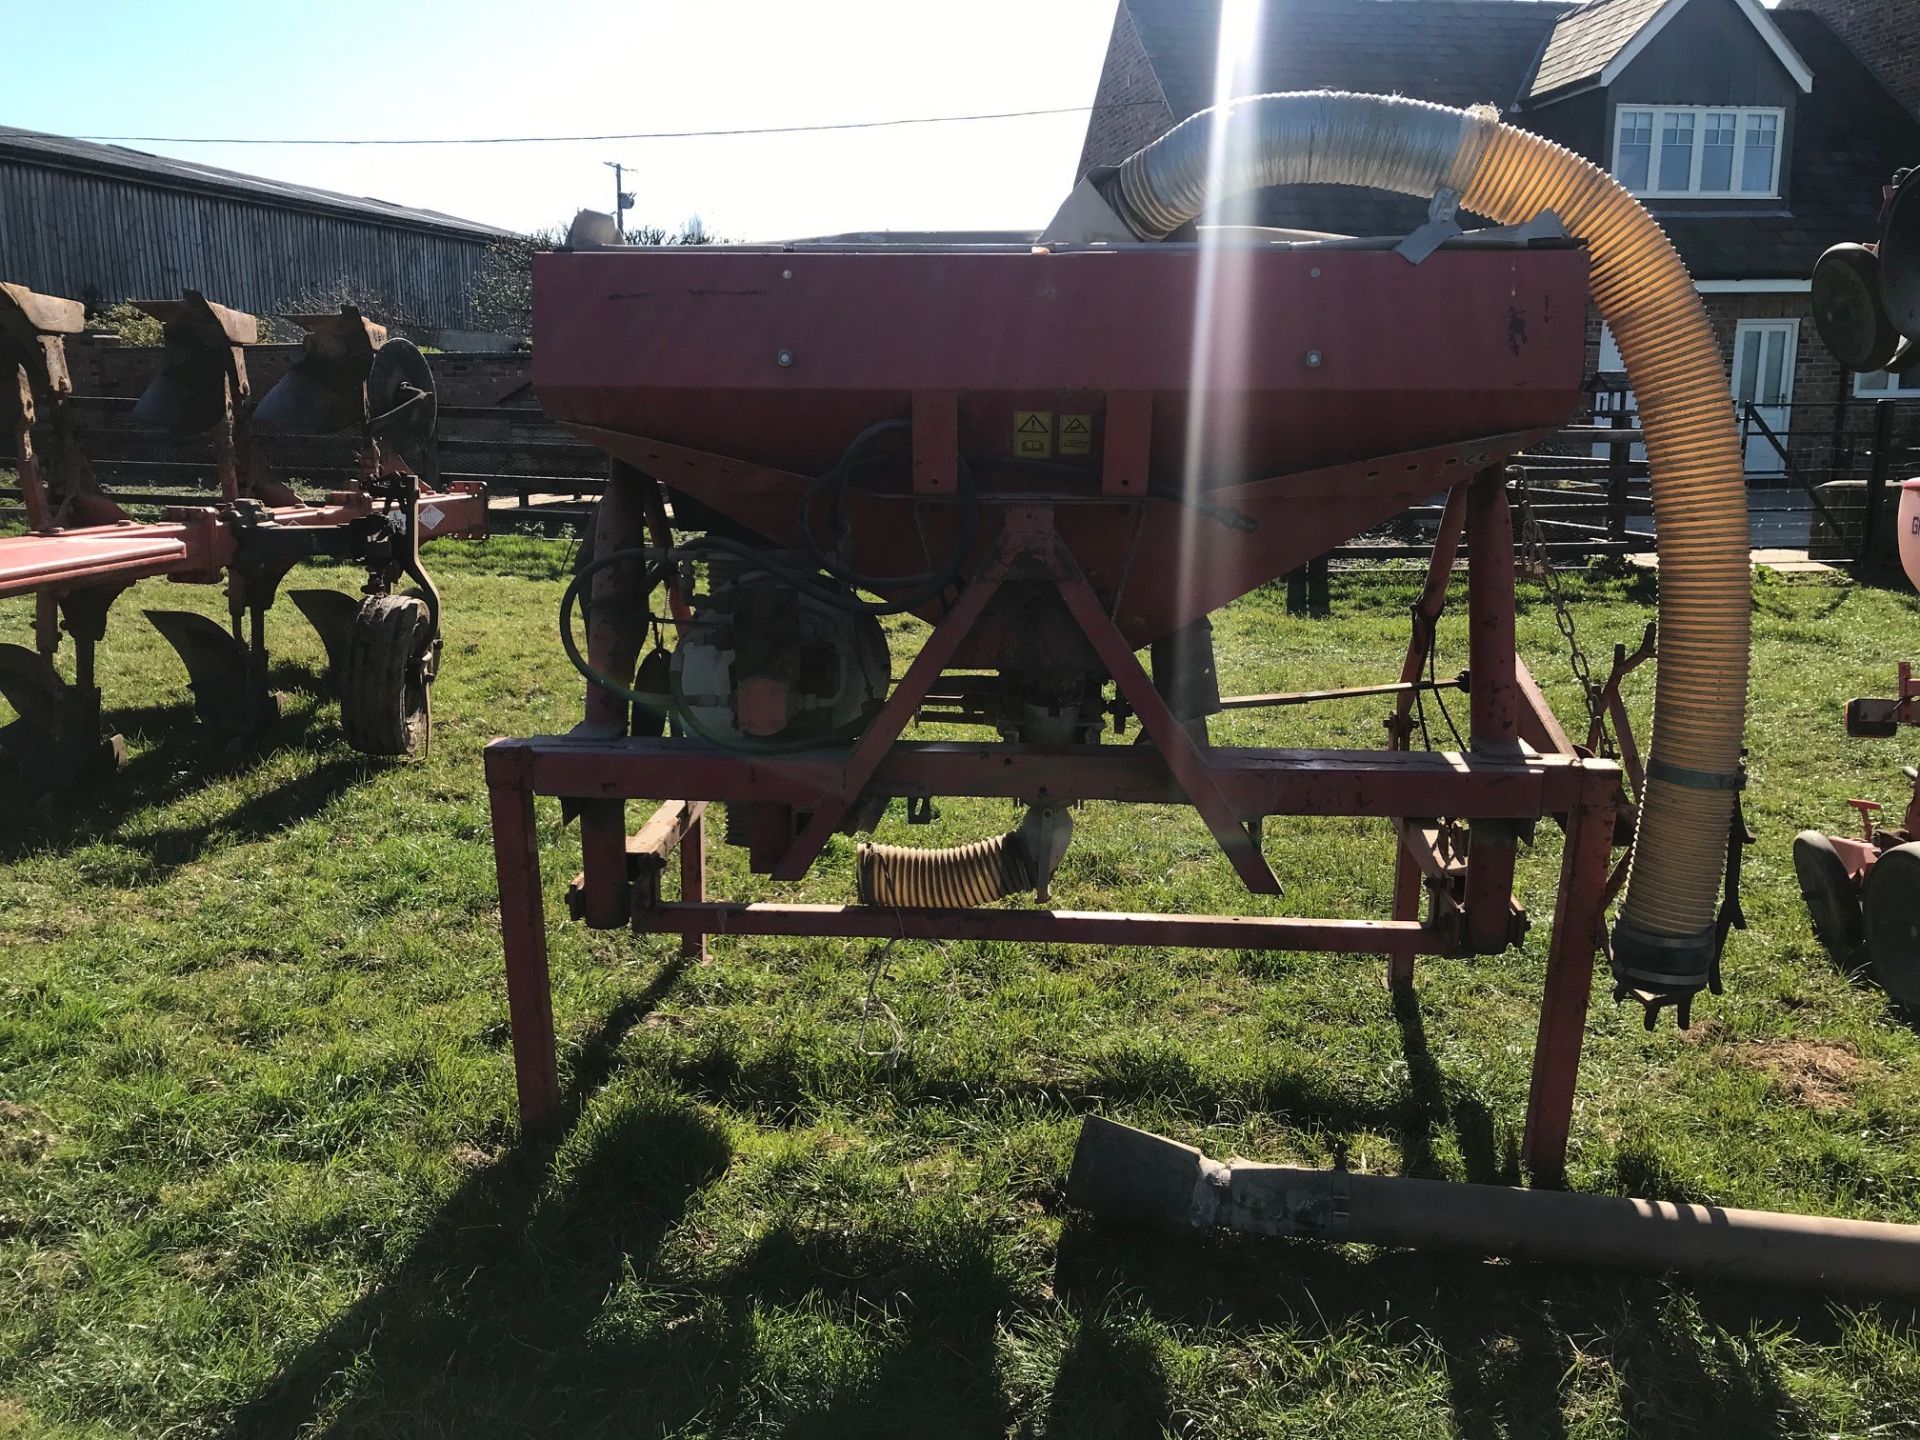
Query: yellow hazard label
[1033, 434]
[1076, 434]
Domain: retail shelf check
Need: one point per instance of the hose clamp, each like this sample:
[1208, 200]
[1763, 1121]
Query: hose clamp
[1478, 126]
[1696, 779]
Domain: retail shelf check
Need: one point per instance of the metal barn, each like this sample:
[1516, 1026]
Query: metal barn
[103, 223]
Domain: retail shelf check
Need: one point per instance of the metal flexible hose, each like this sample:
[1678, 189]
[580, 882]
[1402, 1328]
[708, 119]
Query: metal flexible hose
[1665, 938]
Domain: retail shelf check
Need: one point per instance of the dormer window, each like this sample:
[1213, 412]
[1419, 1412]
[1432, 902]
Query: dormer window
[1674, 151]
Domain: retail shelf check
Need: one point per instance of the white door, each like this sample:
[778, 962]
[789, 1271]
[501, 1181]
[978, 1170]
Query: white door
[1763, 356]
[1614, 398]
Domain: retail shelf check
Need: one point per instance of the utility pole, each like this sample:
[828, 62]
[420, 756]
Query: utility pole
[622, 197]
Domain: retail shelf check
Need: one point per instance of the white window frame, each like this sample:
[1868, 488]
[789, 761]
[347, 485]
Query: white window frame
[1895, 389]
[1741, 114]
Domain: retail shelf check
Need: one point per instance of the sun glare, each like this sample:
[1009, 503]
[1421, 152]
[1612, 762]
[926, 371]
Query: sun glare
[1216, 422]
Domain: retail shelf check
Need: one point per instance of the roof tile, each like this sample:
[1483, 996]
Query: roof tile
[1585, 41]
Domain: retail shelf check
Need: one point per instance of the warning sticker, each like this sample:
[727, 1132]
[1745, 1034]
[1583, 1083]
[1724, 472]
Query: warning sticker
[1076, 434]
[430, 518]
[1033, 434]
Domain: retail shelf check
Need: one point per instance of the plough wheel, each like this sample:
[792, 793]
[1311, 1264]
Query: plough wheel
[1833, 900]
[1890, 902]
[383, 688]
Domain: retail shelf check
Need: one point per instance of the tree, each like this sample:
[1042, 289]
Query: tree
[692, 231]
[326, 298]
[502, 290]
[127, 320]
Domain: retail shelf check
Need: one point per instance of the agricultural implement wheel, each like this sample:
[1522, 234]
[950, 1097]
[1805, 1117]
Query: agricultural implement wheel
[1890, 905]
[1833, 900]
[384, 676]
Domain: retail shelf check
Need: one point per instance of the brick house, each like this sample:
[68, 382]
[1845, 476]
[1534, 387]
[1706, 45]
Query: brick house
[1757, 137]
[1884, 33]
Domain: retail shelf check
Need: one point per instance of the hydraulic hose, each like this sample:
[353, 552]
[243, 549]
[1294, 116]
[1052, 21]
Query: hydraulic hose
[1665, 941]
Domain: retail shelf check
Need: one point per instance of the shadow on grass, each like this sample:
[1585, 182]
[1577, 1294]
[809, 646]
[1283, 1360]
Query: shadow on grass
[781, 1087]
[1514, 1340]
[1110, 1384]
[1428, 1106]
[1853, 965]
[498, 1321]
[482, 1271]
[185, 760]
[515, 1312]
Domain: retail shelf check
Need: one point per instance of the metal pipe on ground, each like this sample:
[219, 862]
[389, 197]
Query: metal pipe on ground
[1129, 1174]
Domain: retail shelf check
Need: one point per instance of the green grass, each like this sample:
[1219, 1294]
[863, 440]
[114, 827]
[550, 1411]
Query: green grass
[259, 1173]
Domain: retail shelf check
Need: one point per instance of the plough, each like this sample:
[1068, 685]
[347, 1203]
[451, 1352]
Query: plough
[82, 549]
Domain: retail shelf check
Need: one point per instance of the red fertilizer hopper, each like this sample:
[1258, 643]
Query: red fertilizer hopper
[1061, 450]
[1364, 384]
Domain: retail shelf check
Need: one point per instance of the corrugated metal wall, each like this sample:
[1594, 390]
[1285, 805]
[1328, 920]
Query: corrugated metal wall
[91, 238]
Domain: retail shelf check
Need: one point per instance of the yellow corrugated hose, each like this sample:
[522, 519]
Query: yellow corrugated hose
[1647, 298]
[1664, 940]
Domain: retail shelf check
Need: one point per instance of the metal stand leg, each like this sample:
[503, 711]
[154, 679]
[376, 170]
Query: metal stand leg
[1494, 704]
[693, 885]
[605, 900]
[523, 927]
[1407, 888]
[1577, 920]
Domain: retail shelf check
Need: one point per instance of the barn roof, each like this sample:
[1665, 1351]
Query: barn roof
[35, 147]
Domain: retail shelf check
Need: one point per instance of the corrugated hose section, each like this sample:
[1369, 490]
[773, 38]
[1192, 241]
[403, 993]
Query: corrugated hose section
[953, 879]
[1664, 939]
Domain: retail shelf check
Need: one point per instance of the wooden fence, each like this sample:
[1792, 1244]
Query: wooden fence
[539, 476]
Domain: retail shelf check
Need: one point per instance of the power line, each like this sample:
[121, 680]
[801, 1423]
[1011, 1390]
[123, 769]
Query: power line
[632, 135]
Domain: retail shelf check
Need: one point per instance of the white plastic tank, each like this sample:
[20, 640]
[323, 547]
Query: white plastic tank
[1910, 530]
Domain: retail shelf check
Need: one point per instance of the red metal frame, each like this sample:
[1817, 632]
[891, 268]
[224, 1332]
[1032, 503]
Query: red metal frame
[1500, 784]
[736, 378]
[192, 545]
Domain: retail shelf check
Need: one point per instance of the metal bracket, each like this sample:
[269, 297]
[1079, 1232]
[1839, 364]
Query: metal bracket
[1442, 225]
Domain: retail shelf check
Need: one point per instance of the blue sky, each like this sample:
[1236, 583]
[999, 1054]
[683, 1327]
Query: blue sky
[348, 68]
[352, 68]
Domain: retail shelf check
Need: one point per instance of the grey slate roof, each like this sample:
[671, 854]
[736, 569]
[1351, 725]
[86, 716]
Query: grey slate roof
[1851, 135]
[1456, 52]
[1584, 42]
[58, 152]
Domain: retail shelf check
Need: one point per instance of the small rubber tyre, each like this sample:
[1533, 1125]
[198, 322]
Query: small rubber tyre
[1890, 906]
[383, 695]
[1833, 900]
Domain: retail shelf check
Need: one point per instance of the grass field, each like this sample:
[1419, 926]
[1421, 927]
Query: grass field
[259, 1173]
